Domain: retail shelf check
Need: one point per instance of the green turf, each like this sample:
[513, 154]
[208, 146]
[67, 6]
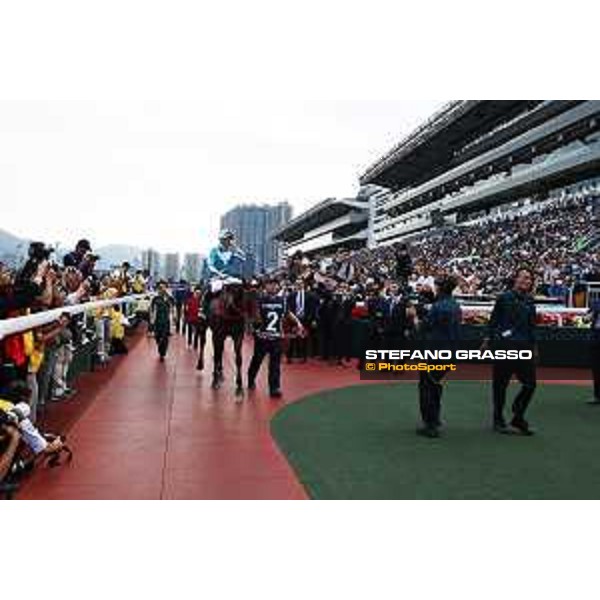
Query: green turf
[360, 442]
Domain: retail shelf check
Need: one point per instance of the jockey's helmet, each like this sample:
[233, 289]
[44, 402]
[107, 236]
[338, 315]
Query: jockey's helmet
[226, 234]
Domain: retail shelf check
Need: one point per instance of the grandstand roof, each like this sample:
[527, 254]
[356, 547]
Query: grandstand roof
[323, 212]
[431, 148]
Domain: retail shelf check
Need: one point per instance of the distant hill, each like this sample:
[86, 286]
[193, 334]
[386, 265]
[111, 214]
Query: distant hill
[13, 248]
[9, 242]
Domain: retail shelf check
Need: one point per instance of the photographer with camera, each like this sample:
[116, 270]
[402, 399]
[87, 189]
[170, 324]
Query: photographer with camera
[28, 286]
[82, 258]
[16, 412]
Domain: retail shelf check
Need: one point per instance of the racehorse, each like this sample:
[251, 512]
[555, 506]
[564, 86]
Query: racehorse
[229, 312]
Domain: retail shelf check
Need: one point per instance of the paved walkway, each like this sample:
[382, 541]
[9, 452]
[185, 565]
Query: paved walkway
[142, 429]
[154, 430]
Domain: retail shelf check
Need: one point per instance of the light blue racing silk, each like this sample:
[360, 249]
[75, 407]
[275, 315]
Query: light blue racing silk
[226, 263]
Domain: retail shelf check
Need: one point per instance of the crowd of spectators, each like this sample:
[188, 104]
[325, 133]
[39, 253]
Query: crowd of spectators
[41, 358]
[35, 365]
[558, 239]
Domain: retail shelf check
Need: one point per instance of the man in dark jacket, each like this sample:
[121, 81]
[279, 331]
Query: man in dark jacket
[343, 328]
[512, 326]
[441, 327]
[377, 310]
[328, 317]
[399, 317]
[304, 304]
[161, 309]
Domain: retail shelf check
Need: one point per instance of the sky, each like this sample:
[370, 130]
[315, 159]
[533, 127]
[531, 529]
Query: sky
[159, 173]
[141, 123]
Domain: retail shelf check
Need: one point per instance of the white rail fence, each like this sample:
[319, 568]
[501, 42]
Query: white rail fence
[25, 323]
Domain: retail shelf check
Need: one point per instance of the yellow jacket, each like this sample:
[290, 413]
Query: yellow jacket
[117, 329]
[34, 350]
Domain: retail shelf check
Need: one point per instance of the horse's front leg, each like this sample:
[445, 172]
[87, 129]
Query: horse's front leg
[218, 344]
[239, 386]
[200, 363]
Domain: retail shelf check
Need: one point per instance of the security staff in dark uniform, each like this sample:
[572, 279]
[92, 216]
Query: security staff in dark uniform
[377, 309]
[161, 309]
[344, 325]
[327, 317]
[272, 309]
[512, 326]
[441, 327]
[399, 319]
[595, 352]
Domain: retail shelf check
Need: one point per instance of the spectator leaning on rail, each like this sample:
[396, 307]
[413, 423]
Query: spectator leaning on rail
[81, 258]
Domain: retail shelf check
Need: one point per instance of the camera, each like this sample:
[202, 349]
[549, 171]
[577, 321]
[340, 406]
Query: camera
[38, 252]
[15, 415]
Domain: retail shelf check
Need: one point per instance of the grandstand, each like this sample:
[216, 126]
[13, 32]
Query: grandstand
[473, 157]
[329, 225]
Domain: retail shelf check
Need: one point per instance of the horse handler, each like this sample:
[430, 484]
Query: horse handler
[272, 310]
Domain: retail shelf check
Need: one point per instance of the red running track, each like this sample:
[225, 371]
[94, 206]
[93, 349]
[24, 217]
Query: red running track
[150, 430]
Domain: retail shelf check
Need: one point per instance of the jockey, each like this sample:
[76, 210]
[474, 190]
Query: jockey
[225, 262]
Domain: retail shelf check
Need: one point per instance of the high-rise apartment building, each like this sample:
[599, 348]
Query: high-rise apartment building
[254, 226]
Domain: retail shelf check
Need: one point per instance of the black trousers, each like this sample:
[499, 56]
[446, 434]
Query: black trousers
[430, 397]
[262, 347]
[326, 339]
[596, 368]
[162, 342]
[343, 340]
[299, 346]
[502, 372]
[179, 325]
